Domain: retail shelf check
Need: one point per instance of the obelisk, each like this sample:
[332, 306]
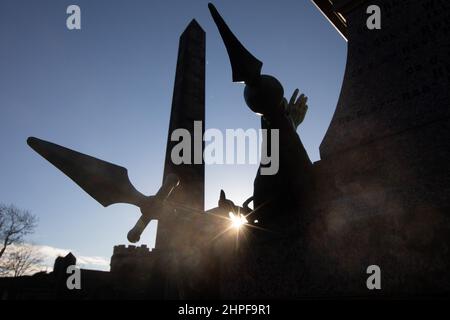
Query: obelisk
[176, 229]
[188, 108]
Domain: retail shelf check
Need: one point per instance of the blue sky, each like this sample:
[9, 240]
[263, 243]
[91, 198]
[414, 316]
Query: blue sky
[106, 91]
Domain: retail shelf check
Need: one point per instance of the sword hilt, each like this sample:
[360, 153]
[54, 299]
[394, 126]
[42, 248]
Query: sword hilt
[154, 203]
[135, 234]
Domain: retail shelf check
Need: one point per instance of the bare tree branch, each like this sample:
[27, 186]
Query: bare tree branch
[15, 224]
[21, 260]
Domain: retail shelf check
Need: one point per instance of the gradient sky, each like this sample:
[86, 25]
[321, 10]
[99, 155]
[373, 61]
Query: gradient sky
[106, 91]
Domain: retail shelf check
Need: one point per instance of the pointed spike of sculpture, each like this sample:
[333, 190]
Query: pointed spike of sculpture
[263, 93]
[245, 67]
[105, 182]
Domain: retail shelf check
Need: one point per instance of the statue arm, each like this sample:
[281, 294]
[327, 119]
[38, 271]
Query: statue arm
[296, 108]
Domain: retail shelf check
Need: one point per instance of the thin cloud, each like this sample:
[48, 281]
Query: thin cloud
[49, 254]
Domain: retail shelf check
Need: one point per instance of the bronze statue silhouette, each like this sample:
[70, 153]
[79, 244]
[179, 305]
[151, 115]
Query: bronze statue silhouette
[108, 183]
[287, 190]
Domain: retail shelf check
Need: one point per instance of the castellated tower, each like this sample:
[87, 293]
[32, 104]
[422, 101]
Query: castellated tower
[131, 259]
[136, 273]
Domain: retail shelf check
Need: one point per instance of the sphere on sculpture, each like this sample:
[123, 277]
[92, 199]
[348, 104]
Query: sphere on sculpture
[265, 95]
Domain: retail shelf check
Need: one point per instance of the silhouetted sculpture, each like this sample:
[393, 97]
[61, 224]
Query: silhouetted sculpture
[106, 182]
[379, 193]
[273, 194]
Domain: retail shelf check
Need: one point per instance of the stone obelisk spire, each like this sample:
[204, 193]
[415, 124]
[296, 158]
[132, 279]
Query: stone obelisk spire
[188, 106]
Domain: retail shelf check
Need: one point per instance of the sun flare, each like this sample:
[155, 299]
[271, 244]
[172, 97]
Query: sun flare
[237, 220]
